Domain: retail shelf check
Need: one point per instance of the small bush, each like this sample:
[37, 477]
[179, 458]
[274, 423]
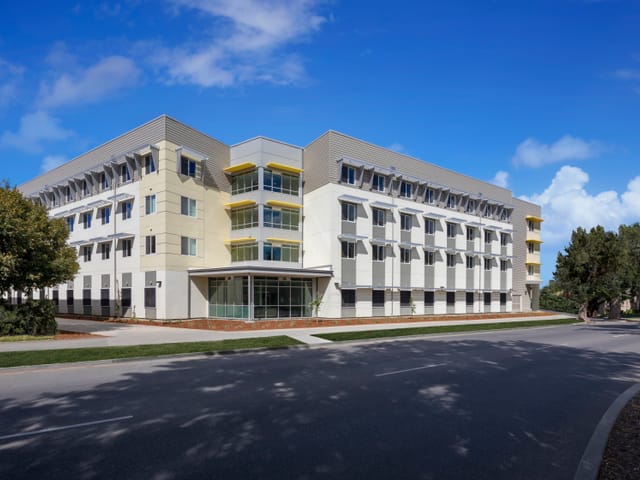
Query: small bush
[35, 317]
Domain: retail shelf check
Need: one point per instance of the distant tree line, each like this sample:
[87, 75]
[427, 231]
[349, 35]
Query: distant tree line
[599, 269]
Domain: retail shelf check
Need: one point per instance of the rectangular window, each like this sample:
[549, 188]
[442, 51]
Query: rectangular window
[531, 248]
[281, 182]
[150, 244]
[244, 252]
[378, 217]
[188, 206]
[187, 166]
[104, 297]
[70, 222]
[105, 215]
[68, 194]
[405, 189]
[531, 270]
[86, 220]
[104, 181]
[377, 253]
[471, 206]
[405, 255]
[55, 296]
[86, 253]
[451, 260]
[244, 182]
[429, 226]
[126, 247]
[348, 212]
[429, 257]
[348, 298]
[531, 226]
[504, 216]
[405, 298]
[149, 165]
[244, 218]
[451, 298]
[487, 263]
[127, 207]
[280, 253]
[69, 298]
[86, 297]
[285, 218]
[348, 249]
[451, 201]
[348, 175]
[125, 297]
[125, 174]
[487, 236]
[429, 196]
[487, 298]
[452, 230]
[85, 188]
[488, 210]
[503, 265]
[429, 298]
[105, 251]
[150, 297]
[471, 234]
[503, 299]
[405, 222]
[188, 246]
[150, 204]
[377, 184]
[469, 298]
[470, 261]
[504, 239]
[377, 298]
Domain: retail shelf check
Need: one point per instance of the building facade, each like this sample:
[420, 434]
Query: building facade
[170, 223]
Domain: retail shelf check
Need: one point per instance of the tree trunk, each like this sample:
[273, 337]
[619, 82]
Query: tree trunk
[615, 308]
[582, 313]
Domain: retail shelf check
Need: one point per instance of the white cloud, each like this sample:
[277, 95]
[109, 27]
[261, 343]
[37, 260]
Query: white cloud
[397, 147]
[51, 161]
[10, 76]
[566, 205]
[532, 153]
[501, 179]
[244, 45]
[89, 85]
[35, 128]
[627, 74]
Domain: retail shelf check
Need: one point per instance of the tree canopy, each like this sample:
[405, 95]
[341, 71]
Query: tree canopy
[600, 267]
[33, 247]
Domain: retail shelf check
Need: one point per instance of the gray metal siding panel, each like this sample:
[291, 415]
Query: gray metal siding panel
[348, 277]
[487, 280]
[349, 227]
[451, 277]
[429, 277]
[377, 273]
[405, 275]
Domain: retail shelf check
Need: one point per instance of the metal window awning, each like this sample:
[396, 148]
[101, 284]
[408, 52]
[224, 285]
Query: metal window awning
[409, 244]
[98, 204]
[240, 203]
[121, 197]
[381, 241]
[280, 203]
[351, 236]
[534, 240]
[240, 167]
[284, 168]
[534, 218]
[234, 241]
[533, 263]
[383, 205]
[283, 240]
[474, 224]
[455, 220]
[100, 239]
[351, 199]
[411, 211]
[121, 235]
[436, 216]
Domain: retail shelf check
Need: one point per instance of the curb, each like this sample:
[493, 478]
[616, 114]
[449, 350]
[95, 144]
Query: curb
[589, 465]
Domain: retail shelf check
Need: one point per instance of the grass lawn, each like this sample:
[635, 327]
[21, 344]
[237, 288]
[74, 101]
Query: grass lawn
[41, 357]
[25, 338]
[401, 332]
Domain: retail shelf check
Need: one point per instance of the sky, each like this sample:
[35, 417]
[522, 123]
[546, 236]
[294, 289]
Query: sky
[539, 96]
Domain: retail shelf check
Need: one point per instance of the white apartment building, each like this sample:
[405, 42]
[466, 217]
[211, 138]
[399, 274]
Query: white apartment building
[170, 223]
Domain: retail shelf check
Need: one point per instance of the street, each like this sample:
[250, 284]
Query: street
[511, 404]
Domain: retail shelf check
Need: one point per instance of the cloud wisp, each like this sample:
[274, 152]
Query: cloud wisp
[51, 161]
[35, 129]
[532, 153]
[501, 179]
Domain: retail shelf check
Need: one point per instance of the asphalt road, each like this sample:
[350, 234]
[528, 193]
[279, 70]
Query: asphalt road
[498, 405]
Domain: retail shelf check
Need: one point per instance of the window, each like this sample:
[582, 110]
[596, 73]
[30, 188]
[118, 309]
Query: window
[280, 253]
[451, 298]
[405, 189]
[86, 220]
[451, 201]
[470, 262]
[451, 260]
[377, 298]
[70, 222]
[281, 182]
[504, 239]
[105, 215]
[149, 165]
[125, 174]
[126, 247]
[429, 298]
[86, 297]
[377, 253]
[531, 225]
[150, 204]
[503, 265]
[127, 207]
[68, 194]
[188, 206]
[69, 297]
[471, 206]
[531, 270]
[428, 196]
[244, 182]
[285, 218]
[405, 298]
[348, 298]
[104, 181]
[187, 166]
[452, 230]
[85, 188]
[405, 255]
[487, 236]
[348, 249]
[377, 183]
[429, 257]
[150, 297]
[487, 298]
[188, 246]
[86, 253]
[104, 297]
[55, 296]
[469, 298]
[244, 218]
[405, 222]
[487, 263]
[125, 297]
[348, 212]
[488, 210]
[471, 234]
[245, 252]
[150, 244]
[378, 217]
[531, 247]
[504, 216]
[429, 226]
[503, 299]
[105, 251]
[348, 175]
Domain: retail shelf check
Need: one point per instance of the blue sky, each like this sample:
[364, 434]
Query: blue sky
[542, 97]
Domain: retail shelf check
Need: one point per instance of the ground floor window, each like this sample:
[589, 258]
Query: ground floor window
[503, 299]
[429, 298]
[469, 297]
[377, 298]
[348, 298]
[405, 298]
[487, 298]
[451, 298]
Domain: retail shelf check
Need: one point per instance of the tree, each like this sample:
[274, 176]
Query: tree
[630, 238]
[33, 248]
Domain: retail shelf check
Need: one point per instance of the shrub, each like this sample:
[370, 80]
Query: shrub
[35, 317]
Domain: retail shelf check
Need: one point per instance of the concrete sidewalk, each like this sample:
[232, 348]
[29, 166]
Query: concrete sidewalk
[121, 334]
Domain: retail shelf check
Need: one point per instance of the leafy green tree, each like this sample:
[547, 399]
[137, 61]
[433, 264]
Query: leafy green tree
[33, 247]
[554, 298]
[630, 237]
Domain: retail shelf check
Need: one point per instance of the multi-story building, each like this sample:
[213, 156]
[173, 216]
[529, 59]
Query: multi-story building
[170, 223]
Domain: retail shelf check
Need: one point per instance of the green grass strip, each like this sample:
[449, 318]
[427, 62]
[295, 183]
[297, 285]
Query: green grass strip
[26, 338]
[67, 355]
[401, 332]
